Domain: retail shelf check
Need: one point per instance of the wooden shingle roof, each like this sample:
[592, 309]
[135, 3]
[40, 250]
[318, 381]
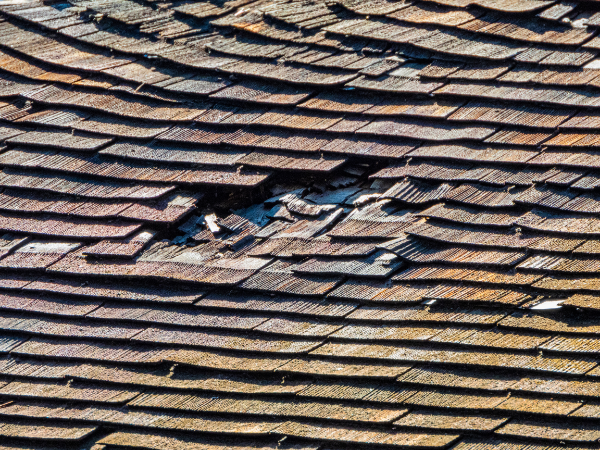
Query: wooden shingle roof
[299, 224]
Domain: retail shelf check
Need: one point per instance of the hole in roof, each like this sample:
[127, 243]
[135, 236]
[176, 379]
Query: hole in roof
[548, 304]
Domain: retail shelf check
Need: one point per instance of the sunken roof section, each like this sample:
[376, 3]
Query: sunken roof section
[299, 225]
